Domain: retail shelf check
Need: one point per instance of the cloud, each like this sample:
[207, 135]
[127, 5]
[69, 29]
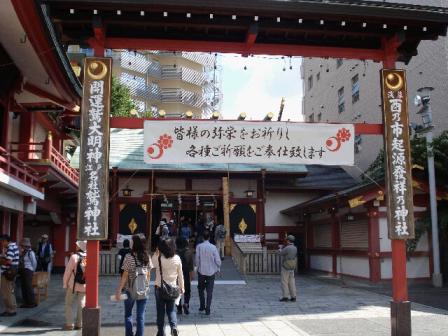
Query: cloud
[259, 89]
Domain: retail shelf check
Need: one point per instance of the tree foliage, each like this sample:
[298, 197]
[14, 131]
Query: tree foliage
[121, 101]
[419, 154]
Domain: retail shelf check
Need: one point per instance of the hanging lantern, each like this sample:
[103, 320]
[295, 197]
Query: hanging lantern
[127, 192]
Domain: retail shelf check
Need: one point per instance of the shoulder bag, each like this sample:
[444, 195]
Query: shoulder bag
[167, 291]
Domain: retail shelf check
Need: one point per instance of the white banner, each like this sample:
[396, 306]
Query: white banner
[209, 141]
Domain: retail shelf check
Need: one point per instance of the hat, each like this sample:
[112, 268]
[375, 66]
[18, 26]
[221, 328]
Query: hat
[45, 236]
[25, 242]
[82, 245]
[291, 238]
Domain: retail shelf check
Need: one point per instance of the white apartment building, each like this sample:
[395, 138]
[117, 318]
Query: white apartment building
[339, 90]
[175, 82]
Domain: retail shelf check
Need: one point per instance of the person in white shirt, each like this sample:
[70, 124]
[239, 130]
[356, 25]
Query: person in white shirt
[208, 262]
[27, 266]
[169, 266]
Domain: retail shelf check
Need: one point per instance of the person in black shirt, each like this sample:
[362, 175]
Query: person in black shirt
[122, 253]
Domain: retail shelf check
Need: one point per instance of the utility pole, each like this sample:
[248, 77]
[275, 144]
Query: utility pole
[425, 101]
[282, 106]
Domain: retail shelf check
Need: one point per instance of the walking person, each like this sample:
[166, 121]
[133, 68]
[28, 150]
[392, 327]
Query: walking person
[44, 254]
[220, 237]
[74, 283]
[27, 266]
[122, 254]
[135, 280]
[186, 257]
[9, 264]
[169, 273]
[208, 262]
[289, 263]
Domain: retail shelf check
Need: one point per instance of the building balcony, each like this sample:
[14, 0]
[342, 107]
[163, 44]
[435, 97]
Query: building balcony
[205, 59]
[183, 97]
[53, 168]
[19, 176]
[184, 74]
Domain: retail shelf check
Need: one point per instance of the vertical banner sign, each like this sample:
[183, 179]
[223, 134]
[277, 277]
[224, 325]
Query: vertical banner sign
[400, 214]
[93, 197]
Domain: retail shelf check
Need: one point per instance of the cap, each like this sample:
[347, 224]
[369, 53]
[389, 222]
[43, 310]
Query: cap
[25, 242]
[82, 245]
[291, 238]
[45, 236]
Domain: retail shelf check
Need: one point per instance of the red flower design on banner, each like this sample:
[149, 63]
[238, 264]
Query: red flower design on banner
[334, 143]
[156, 150]
[343, 135]
[165, 141]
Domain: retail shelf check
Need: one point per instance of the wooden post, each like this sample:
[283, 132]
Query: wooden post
[374, 245]
[226, 211]
[335, 240]
[400, 306]
[114, 204]
[48, 144]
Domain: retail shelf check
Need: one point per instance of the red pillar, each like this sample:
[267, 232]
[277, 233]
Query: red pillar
[114, 204]
[91, 312]
[59, 237]
[400, 306]
[19, 228]
[6, 215]
[27, 121]
[374, 245]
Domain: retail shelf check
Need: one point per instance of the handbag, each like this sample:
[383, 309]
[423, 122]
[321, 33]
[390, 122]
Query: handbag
[11, 273]
[167, 291]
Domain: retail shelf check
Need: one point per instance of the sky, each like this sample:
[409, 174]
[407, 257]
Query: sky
[259, 89]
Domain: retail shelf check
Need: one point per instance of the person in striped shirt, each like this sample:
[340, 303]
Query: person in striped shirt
[8, 261]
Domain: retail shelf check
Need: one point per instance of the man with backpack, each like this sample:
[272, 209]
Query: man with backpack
[75, 285]
[220, 237]
[289, 264]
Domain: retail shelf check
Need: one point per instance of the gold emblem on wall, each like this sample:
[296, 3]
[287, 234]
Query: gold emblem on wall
[122, 206]
[254, 207]
[132, 225]
[144, 207]
[97, 70]
[242, 226]
[232, 206]
[394, 81]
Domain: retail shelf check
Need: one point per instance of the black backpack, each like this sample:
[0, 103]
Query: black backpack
[79, 274]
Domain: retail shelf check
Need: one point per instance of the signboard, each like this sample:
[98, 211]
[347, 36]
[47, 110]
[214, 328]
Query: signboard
[247, 238]
[400, 214]
[205, 141]
[93, 197]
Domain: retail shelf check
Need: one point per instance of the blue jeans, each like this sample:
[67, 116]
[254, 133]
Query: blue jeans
[163, 306]
[141, 307]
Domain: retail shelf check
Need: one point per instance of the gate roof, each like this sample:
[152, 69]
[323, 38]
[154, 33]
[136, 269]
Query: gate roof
[250, 26]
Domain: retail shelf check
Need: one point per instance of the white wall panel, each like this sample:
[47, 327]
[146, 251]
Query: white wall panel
[321, 263]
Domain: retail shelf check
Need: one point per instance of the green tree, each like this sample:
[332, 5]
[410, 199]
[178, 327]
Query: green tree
[439, 148]
[121, 102]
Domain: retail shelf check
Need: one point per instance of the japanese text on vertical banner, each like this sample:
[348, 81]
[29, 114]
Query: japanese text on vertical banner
[94, 167]
[398, 161]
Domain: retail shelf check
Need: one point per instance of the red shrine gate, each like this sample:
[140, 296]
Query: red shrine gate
[366, 30]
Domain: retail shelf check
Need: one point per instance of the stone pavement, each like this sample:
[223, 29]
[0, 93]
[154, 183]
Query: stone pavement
[323, 308]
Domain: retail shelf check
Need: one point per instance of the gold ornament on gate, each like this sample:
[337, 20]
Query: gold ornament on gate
[394, 81]
[132, 225]
[242, 226]
[97, 70]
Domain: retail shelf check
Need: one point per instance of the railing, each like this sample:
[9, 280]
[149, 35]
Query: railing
[205, 59]
[182, 96]
[260, 262]
[33, 153]
[109, 262]
[18, 169]
[184, 74]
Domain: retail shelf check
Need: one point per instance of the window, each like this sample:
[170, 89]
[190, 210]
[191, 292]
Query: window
[341, 100]
[310, 82]
[311, 117]
[355, 89]
[319, 117]
[339, 62]
[318, 76]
